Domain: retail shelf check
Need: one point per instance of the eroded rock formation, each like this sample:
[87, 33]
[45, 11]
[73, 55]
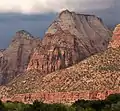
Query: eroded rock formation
[14, 60]
[69, 39]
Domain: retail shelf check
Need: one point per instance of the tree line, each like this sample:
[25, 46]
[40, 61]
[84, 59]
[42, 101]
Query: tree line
[111, 103]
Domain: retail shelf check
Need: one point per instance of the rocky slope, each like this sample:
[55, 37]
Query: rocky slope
[14, 60]
[69, 39]
[96, 73]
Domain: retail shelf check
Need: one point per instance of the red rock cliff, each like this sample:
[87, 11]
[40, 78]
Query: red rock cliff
[69, 39]
[14, 60]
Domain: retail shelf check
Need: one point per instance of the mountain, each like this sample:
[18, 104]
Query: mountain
[99, 72]
[14, 60]
[28, 62]
[69, 39]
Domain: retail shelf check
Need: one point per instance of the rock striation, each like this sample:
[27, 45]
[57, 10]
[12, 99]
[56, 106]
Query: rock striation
[69, 39]
[14, 60]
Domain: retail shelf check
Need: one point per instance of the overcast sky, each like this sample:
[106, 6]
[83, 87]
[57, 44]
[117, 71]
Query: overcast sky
[33, 6]
[36, 15]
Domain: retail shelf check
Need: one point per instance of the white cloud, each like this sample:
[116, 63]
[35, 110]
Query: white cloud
[41, 6]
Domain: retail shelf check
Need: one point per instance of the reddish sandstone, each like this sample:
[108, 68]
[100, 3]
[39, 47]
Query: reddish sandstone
[69, 39]
[60, 97]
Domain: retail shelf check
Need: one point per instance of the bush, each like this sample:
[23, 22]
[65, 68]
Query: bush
[113, 98]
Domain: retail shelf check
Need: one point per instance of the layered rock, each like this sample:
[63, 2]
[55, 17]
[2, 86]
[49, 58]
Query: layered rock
[14, 60]
[69, 39]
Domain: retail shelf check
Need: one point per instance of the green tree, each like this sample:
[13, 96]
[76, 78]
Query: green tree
[113, 98]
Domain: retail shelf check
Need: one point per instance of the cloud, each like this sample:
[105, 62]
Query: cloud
[42, 6]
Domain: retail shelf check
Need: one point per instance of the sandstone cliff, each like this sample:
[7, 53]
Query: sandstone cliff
[14, 60]
[69, 39]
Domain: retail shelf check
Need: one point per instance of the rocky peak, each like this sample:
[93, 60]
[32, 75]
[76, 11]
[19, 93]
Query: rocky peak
[24, 33]
[24, 38]
[67, 12]
[69, 39]
[14, 60]
[80, 25]
[21, 35]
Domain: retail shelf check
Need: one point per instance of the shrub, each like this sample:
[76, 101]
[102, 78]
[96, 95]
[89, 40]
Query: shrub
[113, 98]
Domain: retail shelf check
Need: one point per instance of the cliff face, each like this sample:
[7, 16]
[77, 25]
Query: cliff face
[69, 39]
[14, 60]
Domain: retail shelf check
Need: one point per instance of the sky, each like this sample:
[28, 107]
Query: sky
[36, 15]
[35, 6]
